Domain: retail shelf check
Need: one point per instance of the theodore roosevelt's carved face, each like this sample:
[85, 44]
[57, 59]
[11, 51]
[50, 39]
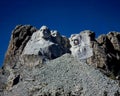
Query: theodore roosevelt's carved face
[55, 34]
[44, 32]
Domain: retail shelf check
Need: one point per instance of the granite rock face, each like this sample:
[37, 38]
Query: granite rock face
[45, 63]
[19, 38]
[103, 52]
[80, 45]
[86, 47]
[47, 44]
[110, 45]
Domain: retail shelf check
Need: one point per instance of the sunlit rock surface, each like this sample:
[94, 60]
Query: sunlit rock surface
[72, 67]
[80, 45]
[46, 44]
[64, 76]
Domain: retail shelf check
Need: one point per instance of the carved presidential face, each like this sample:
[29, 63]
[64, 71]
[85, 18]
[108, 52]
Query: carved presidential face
[55, 34]
[75, 39]
[44, 32]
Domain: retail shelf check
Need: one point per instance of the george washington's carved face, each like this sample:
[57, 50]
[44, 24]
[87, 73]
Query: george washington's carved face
[45, 32]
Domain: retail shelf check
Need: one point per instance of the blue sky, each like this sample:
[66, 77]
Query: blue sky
[66, 16]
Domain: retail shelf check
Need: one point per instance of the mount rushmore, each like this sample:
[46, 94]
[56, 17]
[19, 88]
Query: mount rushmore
[45, 63]
[52, 45]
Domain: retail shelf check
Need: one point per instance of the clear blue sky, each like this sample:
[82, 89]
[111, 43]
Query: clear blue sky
[67, 16]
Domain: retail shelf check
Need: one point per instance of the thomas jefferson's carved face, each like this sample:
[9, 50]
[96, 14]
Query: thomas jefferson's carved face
[44, 32]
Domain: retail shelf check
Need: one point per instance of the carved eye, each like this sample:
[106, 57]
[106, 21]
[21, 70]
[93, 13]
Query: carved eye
[54, 34]
[44, 30]
[40, 29]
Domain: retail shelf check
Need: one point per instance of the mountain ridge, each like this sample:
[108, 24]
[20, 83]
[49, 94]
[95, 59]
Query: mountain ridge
[35, 50]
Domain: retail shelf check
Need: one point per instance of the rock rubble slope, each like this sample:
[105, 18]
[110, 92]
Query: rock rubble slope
[45, 63]
[64, 76]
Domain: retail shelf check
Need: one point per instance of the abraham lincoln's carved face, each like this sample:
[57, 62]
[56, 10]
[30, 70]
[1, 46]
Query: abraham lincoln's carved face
[80, 45]
[75, 39]
[45, 32]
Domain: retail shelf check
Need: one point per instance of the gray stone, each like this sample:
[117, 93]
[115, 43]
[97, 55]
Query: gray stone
[19, 38]
[64, 76]
[46, 44]
[81, 45]
[26, 74]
